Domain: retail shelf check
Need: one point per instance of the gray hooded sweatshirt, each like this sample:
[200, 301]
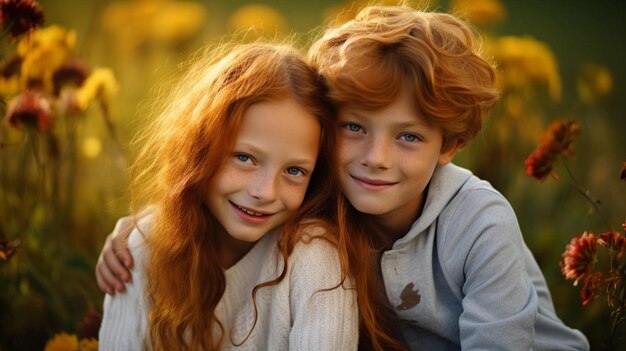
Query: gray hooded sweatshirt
[463, 278]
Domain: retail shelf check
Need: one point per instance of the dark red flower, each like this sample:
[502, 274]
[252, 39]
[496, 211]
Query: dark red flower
[560, 136]
[557, 140]
[11, 67]
[590, 288]
[578, 259]
[623, 173]
[29, 109]
[612, 240]
[70, 73]
[20, 16]
[539, 164]
[90, 325]
[7, 249]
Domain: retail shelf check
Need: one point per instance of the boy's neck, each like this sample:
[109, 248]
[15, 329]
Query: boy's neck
[397, 224]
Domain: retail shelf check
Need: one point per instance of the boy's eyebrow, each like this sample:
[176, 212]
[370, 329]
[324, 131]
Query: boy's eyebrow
[415, 122]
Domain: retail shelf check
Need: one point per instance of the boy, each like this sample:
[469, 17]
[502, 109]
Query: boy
[411, 89]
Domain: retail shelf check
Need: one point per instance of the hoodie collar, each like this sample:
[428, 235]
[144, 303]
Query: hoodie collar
[444, 184]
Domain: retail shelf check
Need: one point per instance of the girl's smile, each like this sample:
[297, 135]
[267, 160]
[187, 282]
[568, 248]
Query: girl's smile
[250, 215]
[264, 180]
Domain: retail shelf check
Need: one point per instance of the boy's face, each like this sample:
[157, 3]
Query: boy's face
[264, 180]
[386, 160]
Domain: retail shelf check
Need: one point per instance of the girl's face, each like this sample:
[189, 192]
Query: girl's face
[386, 159]
[265, 178]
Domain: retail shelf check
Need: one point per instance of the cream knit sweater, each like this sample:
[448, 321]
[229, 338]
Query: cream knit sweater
[292, 315]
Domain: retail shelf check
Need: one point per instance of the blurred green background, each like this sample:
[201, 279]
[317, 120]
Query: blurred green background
[556, 60]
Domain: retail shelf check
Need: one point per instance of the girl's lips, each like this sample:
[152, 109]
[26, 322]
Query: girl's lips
[250, 215]
[372, 184]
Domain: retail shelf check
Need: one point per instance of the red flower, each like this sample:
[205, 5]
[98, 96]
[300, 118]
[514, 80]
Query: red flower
[8, 248]
[30, 109]
[623, 173]
[20, 16]
[556, 141]
[90, 325]
[578, 259]
[539, 164]
[70, 73]
[590, 288]
[612, 240]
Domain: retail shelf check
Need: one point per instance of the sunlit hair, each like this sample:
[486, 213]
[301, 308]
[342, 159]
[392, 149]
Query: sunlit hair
[368, 63]
[435, 57]
[192, 134]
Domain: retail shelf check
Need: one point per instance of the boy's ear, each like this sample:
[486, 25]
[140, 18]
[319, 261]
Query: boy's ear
[446, 156]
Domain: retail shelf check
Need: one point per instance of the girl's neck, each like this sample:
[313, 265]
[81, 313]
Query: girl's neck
[231, 250]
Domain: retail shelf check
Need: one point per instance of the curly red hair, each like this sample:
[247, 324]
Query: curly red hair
[368, 63]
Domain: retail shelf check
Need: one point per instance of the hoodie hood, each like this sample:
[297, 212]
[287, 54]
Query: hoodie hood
[445, 183]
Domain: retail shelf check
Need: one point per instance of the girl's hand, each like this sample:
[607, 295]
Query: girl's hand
[115, 261]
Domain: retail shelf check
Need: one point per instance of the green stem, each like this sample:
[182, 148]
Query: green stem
[585, 194]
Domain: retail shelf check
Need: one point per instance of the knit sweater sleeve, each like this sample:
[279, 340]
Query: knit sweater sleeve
[483, 253]
[124, 323]
[322, 319]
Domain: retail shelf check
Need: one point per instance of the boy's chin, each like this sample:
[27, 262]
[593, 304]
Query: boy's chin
[368, 207]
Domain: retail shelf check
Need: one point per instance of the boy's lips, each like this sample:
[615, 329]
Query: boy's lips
[372, 184]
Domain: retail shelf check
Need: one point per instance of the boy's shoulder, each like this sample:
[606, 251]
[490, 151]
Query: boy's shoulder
[463, 207]
[453, 184]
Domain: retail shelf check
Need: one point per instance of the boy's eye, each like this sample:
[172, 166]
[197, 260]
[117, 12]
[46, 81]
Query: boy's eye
[409, 137]
[353, 127]
[296, 171]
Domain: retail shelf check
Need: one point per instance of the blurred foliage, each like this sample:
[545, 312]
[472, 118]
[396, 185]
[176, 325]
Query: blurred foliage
[63, 180]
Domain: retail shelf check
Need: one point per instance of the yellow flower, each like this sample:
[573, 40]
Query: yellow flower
[88, 345]
[62, 342]
[480, 12]
[42, 53]
[524, 62]
[262, 19]
[101, 84]
[137, 22]
[9, 86]
[593, 83]
[339, 14]
[48, 36]
[91, 147]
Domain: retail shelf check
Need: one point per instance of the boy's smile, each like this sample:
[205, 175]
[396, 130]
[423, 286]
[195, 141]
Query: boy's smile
[373, 184]
[386, 159]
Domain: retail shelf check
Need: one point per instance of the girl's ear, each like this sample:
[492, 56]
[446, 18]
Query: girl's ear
[446, 156]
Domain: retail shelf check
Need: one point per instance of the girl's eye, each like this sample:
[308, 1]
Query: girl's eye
[409, 137]
[353, 127]
[243, 158]
[295, 171]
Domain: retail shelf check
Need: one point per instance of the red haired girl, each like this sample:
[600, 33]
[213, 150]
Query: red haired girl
[235, 244]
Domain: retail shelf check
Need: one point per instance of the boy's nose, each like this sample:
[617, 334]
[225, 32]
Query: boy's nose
[376, 154]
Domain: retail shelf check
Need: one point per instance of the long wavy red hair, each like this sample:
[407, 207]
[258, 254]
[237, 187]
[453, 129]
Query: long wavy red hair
[367, 63]
[192, 134]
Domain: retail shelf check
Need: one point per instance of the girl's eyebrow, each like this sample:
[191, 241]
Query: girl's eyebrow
[249, 147]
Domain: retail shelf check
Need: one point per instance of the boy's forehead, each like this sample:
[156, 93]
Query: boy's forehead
[403, 106]
[396, 114]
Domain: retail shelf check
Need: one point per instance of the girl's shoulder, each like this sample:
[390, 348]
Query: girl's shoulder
[316, 237]
[316, 252]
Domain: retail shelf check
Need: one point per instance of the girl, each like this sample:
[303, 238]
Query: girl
[233, 250]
